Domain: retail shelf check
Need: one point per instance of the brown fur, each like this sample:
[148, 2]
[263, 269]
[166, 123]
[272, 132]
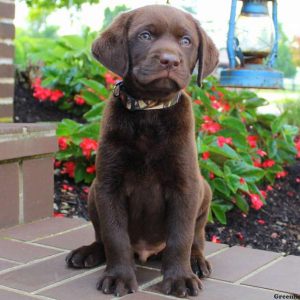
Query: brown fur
[148, 194]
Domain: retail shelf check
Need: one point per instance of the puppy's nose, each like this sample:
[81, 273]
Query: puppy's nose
[169, 60]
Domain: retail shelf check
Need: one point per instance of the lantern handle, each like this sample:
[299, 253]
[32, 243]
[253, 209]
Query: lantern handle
[274, 52]
[230, 37]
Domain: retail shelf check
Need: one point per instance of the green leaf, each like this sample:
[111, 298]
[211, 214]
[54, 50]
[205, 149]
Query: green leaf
[90, 98]
[241, 168]
[225, 151]
[234, 123]
[221, 186]
[219, 213]
[255, 102]
[242, 203]
[272, 148]
[67, 127]
[79, 172]
[211, 167]
[96, 86]
[277, 124]
[95, 113]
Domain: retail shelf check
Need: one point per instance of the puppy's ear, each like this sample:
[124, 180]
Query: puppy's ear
[111, 48]
[208, 55]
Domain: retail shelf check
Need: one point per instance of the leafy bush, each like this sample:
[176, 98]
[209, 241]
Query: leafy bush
[65, 63]
[239, 150]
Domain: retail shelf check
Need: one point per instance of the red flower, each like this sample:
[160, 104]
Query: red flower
[269, 188]
[242, 180]
[215, 239]
[261, 222]
[256, 202]
[205, 155]
[211, 175]
[226, 106]
[240, 236]
[86, 189]
[198, 101]
[79, 100]
[281, 174]
[263, 193]
[209, 125]
[57, 163]
[216, 104]
[88, 145]
[69, 168]
[58, 215]
[63, 143]
[212, 98]
[268, 163]
[56, 95]
[298, 180]
[110, 79]
[297, 145]
[221, 141]
[261, 153]
[67, 187]
[252, 139]
[91, 169]
[257, 163]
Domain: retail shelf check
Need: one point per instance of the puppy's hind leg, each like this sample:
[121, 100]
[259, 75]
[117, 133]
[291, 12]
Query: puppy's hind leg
[200, 266]
[92, 255]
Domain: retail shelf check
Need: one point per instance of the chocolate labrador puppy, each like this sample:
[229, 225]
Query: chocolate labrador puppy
[149, 196]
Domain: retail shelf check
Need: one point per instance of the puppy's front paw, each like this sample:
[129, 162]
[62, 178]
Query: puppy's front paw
[200, 266]
[86, 256]
[119, 281]
[182, 284]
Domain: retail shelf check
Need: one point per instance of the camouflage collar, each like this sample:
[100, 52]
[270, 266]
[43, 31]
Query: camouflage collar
[139, 104]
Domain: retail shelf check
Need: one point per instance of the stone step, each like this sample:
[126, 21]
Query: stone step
[26, 172]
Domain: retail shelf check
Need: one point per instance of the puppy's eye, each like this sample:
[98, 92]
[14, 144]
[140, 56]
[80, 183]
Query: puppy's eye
[185, 41]
[145, 35]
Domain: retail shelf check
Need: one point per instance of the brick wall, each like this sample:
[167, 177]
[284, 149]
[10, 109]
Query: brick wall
[7, 34]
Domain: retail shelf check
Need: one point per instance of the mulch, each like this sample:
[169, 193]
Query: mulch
[276, 227]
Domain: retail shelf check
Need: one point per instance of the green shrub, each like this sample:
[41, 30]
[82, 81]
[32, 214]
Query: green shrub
[238, 149]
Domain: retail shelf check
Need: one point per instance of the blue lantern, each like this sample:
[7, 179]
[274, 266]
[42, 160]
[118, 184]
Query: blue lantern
[252, 46]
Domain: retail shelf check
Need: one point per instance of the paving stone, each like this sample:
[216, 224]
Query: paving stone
[214, 290]
[144, 296]
[211, 248]
[85, 287]
[36, 276]
[42, 228]
[23, 253]
[8, 295]
[4, 265]
[283, 276]
[71, 240]
[237, 262]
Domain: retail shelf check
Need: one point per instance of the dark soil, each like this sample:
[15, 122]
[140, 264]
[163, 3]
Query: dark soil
[27, 109]
[280, 231]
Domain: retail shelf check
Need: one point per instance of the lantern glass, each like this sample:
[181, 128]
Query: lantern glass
[255, 33]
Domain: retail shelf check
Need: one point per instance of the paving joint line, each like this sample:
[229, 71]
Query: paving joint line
[259, 269]
[61, 282]
[151, 282]
[217, 252]
[47, 247]
[33, 262]
[158, 295]
[11, 261]
[23, 293]
[59, 233]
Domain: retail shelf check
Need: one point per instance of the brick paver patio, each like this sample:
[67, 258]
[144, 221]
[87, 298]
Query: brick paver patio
[32, 267]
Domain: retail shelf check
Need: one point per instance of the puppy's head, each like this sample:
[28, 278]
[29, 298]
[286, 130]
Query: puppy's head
[157, 48]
